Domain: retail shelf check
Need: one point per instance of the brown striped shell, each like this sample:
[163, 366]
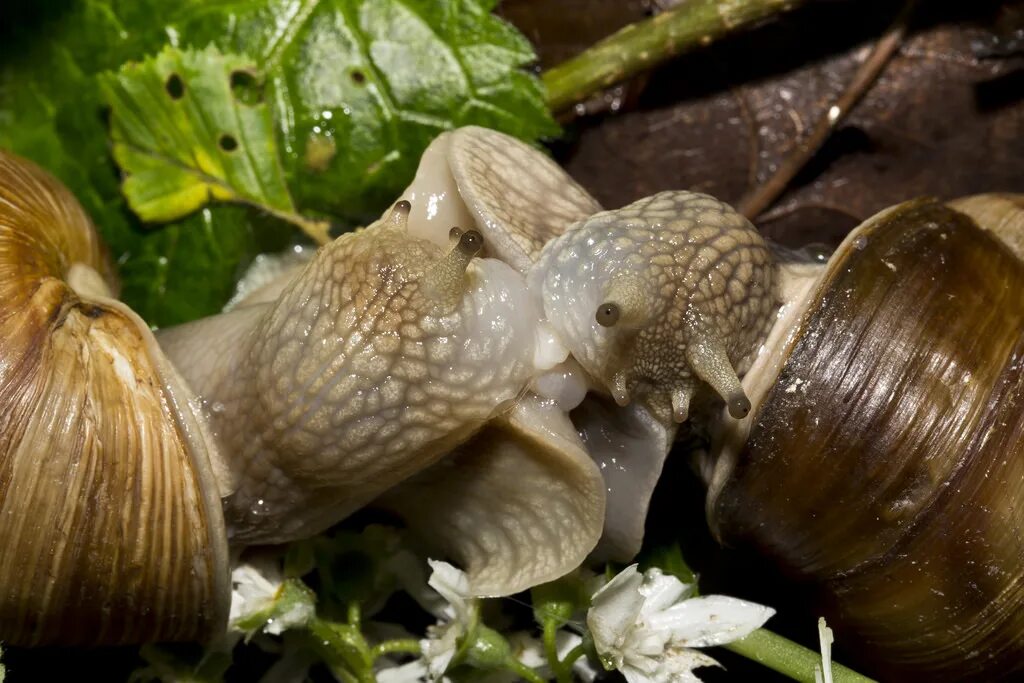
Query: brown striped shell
[884, 457]
[110, 519]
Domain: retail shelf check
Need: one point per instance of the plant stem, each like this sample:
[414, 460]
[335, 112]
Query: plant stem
[570, 658]
[343, 647]
[789, 658]
[317, 230]
[763, 196]
[640, 46]
[561, 672]
[524, 672]
[403, 646]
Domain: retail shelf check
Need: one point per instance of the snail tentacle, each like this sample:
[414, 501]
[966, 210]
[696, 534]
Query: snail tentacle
[446, 279]
[709, 358]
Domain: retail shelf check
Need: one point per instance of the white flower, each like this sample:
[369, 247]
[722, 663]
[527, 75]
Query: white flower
[443, 638]
[260, 594]
[645, 625]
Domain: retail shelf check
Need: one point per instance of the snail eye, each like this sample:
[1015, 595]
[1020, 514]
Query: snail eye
[471, 242]
[455, 233]
[607, 314]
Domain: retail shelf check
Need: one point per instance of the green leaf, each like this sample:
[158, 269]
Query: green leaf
[184, 137]
[360, 87]
[357, 89]
[51, 112]
[188, 269]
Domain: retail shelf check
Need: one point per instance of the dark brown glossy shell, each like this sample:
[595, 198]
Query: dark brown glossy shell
[887, 461]
[110, 522]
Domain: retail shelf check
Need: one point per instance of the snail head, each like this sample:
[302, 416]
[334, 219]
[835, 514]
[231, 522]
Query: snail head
[659, 297]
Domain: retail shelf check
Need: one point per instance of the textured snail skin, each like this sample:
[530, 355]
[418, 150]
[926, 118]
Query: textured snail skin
[107, 499]
[692, 285]
[516, 196]
[885, 459]
[381, 356]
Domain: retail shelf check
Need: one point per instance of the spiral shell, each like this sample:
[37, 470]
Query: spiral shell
[110, 520]
[885, 459]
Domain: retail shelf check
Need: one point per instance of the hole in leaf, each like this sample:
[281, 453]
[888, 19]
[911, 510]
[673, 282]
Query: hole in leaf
[246, 87]
[228, 143]
[357, 76]
[175, 87]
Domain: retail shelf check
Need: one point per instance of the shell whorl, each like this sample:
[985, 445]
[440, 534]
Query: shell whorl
[885, 461]
[110, 522]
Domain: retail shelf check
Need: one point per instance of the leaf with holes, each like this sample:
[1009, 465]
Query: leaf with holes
[360, 87]
[184, 138]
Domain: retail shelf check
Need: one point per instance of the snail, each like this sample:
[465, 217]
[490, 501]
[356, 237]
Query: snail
[512, 391]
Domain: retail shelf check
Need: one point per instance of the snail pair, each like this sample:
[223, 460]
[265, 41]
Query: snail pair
[514, 405]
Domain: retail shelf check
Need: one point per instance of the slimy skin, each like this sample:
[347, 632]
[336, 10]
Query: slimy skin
[376, 369]
[380, 357]
[658, 296]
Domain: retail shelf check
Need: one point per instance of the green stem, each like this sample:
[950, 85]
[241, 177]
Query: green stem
[354, 614]
[559, 669]
[643, 45]
[524, 672]
[788, 658]
[317, 230]
[406, 646]
[343, 647]
[574, 654]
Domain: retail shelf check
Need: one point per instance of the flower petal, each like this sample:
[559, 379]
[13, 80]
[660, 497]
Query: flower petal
[614, 610]
[661, 591]
[710, 620]
[679, 663]
[440, 647]
[410, 672]
[453, 585]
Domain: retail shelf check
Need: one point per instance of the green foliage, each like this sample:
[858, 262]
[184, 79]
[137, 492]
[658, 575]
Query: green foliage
[360, 87]
[181, 137]
[356, 89]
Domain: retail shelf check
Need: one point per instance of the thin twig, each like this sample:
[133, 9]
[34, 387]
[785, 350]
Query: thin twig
[765, 195]
[645, 44]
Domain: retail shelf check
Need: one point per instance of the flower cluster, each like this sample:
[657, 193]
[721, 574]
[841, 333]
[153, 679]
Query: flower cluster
[646, 626]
